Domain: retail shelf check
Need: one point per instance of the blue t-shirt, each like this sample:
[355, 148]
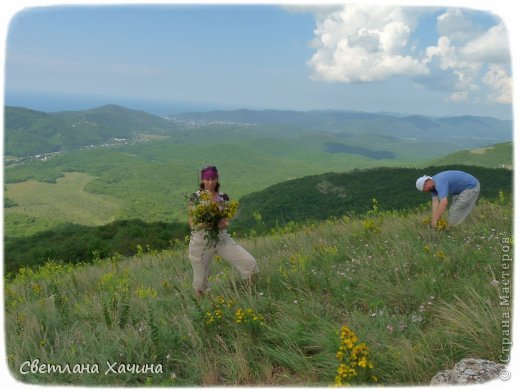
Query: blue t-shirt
[452, 183]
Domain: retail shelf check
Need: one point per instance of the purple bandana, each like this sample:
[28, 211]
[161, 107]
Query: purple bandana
[209, 173]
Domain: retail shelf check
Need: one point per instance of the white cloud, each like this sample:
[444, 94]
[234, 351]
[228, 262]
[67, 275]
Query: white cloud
[449, 60]
[363, 44]
[492, 46]
[359, 43]
[456, 25]
[394, 37]
[445, 53]
[498, 80]
[467, 56]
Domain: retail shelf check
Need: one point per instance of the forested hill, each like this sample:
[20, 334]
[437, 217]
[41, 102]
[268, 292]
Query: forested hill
[30, 132]
[337, 194]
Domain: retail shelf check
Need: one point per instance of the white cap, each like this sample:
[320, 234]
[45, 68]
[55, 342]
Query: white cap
[420, 182]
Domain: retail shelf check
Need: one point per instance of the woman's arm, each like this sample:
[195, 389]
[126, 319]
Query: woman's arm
[224, 222]
[190, 221]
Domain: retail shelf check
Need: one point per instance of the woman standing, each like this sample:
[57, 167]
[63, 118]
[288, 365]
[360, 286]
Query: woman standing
[202, 251]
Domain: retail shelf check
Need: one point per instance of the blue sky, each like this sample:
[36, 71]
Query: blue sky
[168, 58]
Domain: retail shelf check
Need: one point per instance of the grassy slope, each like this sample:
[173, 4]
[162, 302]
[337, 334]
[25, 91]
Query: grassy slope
[57, 204]
[419, 299]
[494, 156]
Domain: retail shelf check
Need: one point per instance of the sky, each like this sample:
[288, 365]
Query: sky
[429, 59]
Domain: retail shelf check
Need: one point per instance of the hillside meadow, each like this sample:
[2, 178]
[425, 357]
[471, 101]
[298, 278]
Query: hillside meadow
[56, 203]
[380, 299]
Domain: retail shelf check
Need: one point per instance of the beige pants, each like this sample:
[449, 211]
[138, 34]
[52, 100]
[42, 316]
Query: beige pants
[462, 204]
[201, 255]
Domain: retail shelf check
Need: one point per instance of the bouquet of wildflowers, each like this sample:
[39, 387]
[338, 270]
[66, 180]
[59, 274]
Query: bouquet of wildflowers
[209, 213]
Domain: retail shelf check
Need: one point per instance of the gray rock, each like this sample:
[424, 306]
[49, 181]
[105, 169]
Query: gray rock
[441, 378]
[469, 371]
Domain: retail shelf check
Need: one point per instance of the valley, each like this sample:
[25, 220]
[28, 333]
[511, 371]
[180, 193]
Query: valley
[264, 159]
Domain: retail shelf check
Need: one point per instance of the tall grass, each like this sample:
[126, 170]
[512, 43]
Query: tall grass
[418, 299]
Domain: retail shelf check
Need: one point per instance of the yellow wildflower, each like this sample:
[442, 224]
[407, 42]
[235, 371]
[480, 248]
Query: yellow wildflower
[441, 224]
[354, 364]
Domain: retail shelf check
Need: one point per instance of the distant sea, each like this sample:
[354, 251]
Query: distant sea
[56, 102]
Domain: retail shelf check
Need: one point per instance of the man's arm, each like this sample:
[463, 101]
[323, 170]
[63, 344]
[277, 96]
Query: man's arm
[438, 208]
[435, 205]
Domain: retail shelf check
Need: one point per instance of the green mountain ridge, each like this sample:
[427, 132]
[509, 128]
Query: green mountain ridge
[30, 132]
[485, 129]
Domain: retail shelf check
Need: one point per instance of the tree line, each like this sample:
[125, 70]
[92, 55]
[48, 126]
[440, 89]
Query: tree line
[72, 243]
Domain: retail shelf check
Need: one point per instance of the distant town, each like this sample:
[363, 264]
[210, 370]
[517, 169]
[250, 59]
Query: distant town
[10, 161]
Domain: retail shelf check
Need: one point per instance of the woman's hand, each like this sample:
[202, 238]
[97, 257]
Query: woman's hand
[223, 223]
[198, 226]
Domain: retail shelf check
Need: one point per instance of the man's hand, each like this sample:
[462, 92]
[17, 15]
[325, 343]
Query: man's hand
[441, 224]
[438, 208]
